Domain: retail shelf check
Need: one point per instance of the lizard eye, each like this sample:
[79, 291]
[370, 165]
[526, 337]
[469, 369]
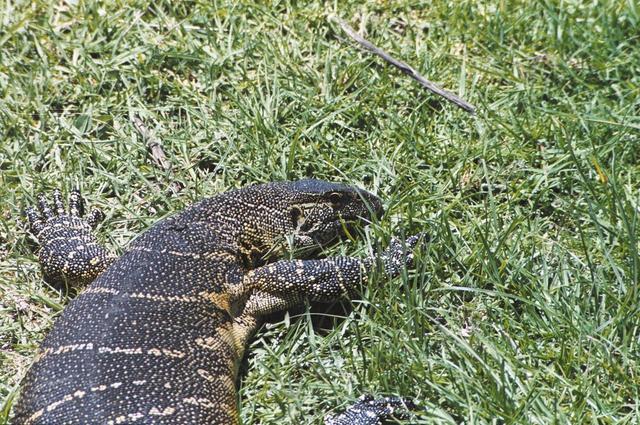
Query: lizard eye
[335, 198]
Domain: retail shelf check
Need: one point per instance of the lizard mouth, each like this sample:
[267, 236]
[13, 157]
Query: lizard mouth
[327, 233]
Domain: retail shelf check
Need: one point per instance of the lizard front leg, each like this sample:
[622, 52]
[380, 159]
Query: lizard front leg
[285, 284]
[69, 252]
[288, 283]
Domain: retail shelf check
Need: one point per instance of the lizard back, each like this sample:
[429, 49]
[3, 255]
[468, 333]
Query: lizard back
[152, 337]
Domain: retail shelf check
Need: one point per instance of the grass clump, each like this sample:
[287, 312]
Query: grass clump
[523, 308]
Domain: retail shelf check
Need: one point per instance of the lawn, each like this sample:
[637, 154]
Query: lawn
[524, 307]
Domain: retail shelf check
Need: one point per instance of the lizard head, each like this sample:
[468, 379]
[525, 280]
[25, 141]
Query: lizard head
[320, 211]
[310, 213]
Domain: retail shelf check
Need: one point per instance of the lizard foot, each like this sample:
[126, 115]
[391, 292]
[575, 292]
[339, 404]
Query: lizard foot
[69, 252]
[370, 411]
[400, 254]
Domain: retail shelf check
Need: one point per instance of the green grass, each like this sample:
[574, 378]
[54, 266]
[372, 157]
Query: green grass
[523, 309]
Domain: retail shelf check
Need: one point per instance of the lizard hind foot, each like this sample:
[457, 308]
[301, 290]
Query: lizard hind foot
[372, 411]
[69, 252]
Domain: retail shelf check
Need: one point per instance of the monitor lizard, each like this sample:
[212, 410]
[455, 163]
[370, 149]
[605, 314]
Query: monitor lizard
[158, 334]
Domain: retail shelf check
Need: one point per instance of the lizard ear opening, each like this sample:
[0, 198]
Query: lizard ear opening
[297, 219]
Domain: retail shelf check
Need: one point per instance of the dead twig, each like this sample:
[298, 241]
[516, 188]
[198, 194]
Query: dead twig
[432, 87]
[153, 144]
[155, 147]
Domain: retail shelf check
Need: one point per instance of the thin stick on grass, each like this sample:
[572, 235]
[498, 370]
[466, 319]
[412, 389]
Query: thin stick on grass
[402, 66]
[155, 147]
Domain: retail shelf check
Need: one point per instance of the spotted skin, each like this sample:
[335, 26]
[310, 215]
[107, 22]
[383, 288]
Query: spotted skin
[158, 336]
[370, 411]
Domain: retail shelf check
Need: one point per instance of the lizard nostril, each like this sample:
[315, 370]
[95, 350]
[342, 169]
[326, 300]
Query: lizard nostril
[378, 209]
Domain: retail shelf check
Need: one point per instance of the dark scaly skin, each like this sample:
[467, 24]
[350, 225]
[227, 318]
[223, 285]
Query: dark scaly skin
[158, 336]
